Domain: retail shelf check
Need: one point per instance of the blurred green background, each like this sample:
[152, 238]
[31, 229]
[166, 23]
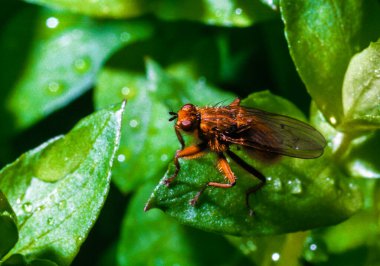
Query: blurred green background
[318, 61]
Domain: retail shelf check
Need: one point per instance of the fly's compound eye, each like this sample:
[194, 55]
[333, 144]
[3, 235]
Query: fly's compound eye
[186, 125]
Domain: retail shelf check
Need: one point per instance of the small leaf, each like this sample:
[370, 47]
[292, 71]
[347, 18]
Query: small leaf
[49, 80]
[54, 218]
[361, 91]
[8, 228]
[148, 140]
[299, 194]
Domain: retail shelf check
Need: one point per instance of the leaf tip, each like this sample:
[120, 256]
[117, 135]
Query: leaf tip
[150, 204]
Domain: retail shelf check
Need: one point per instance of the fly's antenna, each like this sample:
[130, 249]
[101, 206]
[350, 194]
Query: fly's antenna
[173, 114]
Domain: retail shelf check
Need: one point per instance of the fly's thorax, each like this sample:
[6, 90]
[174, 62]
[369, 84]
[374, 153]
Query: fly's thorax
[218, 119]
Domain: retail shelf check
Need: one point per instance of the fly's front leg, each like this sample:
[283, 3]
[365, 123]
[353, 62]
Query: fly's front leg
[225, 169]
[191, 152]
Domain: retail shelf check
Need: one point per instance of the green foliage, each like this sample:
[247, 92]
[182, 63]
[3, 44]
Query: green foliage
[61, 59]
[58, 189]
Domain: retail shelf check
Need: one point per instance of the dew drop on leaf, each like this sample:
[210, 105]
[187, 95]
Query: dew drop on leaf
[125, 36]
[133, 123]
[55, 88]
[82, 65]
[277, 184]
[50, 221]
[276, 256]
[295, 186]
[377, 73]
[52, 22]
[332, 120]
[164, 157]
[121, 158]
[62, 204]
[27, 207]
[238, 11]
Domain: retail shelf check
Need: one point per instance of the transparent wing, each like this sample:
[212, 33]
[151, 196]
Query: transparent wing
[278, 134]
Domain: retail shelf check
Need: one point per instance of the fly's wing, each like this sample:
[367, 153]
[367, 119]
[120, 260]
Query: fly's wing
[277, 133]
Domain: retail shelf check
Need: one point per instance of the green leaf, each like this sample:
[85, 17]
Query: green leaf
[362, 156]
[154, 238]
[8, 228]
[356, 154]
[222, 13]
[363, 228]
[226, 12]
[271, 250]
[49, 80]
[300, 194]
[148, 140]
[54, 218]
[322, 36]
[15, 260]
[361, 91]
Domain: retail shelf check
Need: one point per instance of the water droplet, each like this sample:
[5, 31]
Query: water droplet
[238, 11]
[125, 90]
[121, 158]
[80, 238]
[315, 251]
[27, 207]
[251, 246]
[50, 221]
[125, 36]
[62, 204]
[55, 87]
[275, 256]
[313, 247]
[133, 123]
[52, 22]
[295, 186]
[82, 65]
[332, 120]
[164, 157]
[277, 184]
[377, 73]
[330, 181]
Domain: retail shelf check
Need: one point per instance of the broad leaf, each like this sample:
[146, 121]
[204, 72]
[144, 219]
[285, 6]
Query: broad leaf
[64, 55]
[361, 91]
[54, 218]
[300, 194]
[322, 37]
[153, 237]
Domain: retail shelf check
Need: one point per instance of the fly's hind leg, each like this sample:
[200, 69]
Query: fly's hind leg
[223, 167]
[188, 152]
[254, 172]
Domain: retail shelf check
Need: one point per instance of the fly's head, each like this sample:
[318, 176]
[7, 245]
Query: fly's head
[187, 117]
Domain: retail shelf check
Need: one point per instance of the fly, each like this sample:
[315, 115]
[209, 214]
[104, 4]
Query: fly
[217, 128]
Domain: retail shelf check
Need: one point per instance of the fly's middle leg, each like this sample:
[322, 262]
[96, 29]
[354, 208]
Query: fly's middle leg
[225, 169]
